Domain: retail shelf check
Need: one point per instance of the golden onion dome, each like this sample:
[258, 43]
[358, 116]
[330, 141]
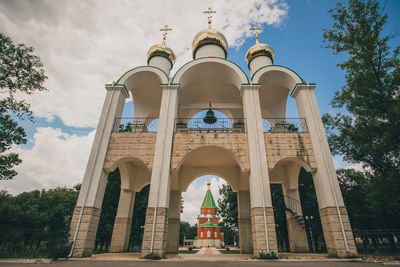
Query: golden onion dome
[161, 50]
[209, 36]
[259, 50]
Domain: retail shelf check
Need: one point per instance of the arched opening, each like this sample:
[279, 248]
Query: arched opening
[124, 207]
[277, 108]
[209, 215]
[210, 80]
[220, 162]
[298, 224]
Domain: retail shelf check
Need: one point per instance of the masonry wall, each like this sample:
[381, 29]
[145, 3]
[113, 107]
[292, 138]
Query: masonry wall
[141, 146]
[127, 144]
[183, 143]
[284, 145]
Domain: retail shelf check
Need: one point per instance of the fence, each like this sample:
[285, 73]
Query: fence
[288, 125]
[221, 125]
[136, 125]
[373, 241]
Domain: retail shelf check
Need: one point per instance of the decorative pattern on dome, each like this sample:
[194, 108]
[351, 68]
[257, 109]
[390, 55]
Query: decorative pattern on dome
[259, 50]
[209, 36]
[162, 51]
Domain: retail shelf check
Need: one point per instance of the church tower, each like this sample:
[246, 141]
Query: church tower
[208, 230]
[254, 144]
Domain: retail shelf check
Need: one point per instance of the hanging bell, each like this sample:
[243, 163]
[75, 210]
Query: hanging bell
[210, 117]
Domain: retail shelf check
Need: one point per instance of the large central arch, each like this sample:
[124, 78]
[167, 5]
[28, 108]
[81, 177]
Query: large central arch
[210, 160]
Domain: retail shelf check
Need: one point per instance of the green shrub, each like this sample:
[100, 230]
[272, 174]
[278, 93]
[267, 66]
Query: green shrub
[267, 256]
[152, 256]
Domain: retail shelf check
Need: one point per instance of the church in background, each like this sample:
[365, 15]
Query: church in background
[208, 230]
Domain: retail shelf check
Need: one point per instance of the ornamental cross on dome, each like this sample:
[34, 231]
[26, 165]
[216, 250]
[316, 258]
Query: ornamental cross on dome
[165, 30]
[209, 11]
[256, 29]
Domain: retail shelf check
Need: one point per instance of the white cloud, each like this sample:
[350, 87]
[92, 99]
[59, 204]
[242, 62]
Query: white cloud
[85, 44]
[57, 159]
[194, 196]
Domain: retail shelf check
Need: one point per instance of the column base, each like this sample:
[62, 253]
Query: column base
[160, 232]
[174, 225]
[258, 231]
[297, 235]
[245, 236]
[84, 243]
[333, 233]
[121, 234]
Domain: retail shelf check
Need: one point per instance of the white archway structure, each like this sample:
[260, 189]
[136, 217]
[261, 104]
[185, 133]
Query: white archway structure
[242, 151]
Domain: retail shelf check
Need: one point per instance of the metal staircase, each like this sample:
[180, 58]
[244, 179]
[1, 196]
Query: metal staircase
[292, 205]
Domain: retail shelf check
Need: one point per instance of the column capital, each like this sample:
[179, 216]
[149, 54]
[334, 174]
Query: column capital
[120, 87]
[250, 87]
[172, 87]
[302, 86]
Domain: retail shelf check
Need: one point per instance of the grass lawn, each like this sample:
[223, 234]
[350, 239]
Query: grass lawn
[223, 251]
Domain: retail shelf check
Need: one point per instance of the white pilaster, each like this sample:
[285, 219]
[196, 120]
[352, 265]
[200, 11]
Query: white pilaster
[94, 181]
[260, 194]
[160, 176]
[325, 180]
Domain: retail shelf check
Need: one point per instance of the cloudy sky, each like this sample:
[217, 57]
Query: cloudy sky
[87, 43]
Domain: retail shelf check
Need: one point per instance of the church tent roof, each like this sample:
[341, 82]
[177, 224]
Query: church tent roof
[208, 201]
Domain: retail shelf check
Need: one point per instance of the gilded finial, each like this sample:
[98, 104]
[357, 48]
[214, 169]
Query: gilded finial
[255, 29]
[209, 11]
[165, 30]
[208, 184]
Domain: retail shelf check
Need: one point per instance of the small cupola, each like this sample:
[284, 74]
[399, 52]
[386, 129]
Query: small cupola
[160, 55]
[209, 42]
[259, 55]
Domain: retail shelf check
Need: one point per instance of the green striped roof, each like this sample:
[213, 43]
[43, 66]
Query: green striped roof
[208, 201]
[208, 224]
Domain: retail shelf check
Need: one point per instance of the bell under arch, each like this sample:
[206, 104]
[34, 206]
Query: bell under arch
[212, 80]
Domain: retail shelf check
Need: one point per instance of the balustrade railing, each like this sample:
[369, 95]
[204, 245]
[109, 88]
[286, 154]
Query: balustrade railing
[197, 125]
[287, 125]
[136, 125]
[222, 125]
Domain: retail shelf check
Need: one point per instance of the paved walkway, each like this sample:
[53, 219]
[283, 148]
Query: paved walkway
[209, 251]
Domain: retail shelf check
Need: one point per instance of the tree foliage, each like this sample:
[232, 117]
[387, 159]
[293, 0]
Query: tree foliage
[228, 211]
[21, 72]
[368, 129]
[36, 223]
[228, 207]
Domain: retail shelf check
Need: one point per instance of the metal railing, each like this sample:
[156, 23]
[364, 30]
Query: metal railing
[222, 125]
[288, 125]
[368, 241]
[136, 125]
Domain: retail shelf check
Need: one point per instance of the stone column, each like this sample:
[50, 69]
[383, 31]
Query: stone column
[174, 222]
[245, 235]
[123, 221]
[335, 222]
[262, 215]
[84, 222]
[155, 231]
[296, 229]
